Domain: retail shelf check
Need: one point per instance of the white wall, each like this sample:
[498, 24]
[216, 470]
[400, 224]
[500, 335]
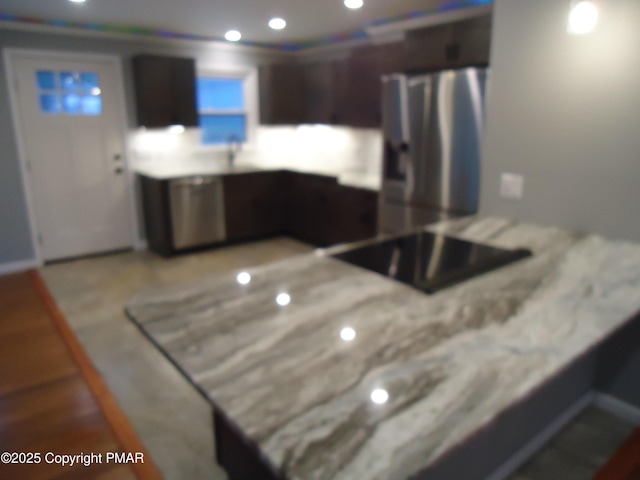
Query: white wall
[564, 111]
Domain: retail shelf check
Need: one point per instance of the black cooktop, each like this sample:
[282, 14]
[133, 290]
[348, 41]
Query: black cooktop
[428, 261]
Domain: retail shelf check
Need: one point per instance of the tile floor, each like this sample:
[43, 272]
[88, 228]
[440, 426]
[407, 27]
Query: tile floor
[580, 449]
[171, 418]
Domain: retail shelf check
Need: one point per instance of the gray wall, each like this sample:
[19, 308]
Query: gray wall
[564, 111]
[15, 242]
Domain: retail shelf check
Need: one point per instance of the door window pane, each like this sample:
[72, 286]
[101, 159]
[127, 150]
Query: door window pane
[220, 94]
[92, 105]
[70, 93]
[219, 129]
[50, 103]
[72, 104]
[46, 80]
[90, 82]
[69, 81]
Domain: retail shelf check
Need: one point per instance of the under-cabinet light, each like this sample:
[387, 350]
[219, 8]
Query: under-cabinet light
[176, 129]
[353, 4]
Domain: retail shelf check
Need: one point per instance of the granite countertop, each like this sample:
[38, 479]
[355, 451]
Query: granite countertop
[451, 362]
[167, 171]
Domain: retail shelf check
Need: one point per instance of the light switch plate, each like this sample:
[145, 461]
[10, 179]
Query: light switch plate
[511, 186]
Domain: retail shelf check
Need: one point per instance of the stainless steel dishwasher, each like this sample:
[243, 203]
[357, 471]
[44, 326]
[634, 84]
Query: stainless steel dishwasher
[197, 211]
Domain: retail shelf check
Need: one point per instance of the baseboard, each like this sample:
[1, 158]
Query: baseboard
[141, 244]
[541, 439]
[617, 407]
[14, 267]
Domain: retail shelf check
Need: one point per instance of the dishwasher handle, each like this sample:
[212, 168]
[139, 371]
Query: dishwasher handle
[193, 181]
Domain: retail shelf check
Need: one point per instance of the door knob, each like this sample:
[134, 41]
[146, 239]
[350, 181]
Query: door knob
[117, 157]
[118, 171]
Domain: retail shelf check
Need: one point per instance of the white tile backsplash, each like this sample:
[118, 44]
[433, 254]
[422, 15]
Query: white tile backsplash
[312, 148]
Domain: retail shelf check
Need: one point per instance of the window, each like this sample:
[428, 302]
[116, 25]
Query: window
[69, 93]
[222, 106]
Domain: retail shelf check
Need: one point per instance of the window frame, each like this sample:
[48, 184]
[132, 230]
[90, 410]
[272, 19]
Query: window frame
[249, 76]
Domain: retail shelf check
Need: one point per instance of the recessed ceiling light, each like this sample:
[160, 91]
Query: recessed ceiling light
[277, 23]
[583, 17]
[233, 35]
[78, 1]
[353, 4]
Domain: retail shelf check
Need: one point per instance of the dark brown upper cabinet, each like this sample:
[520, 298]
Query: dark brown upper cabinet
[321, 95]
[360, 105]
[453, 45]
[281, 94]
[295, 94]
[337, 92]
[165, 90]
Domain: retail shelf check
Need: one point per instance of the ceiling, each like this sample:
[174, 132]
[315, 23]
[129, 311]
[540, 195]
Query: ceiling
[307, 19]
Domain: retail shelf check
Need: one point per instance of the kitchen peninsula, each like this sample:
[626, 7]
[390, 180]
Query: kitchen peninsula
[292, 400]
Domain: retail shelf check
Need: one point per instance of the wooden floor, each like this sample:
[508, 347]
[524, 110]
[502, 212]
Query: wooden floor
[625, 464]
[51, 397]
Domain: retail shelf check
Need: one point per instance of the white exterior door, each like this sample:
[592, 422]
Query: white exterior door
[72, 137]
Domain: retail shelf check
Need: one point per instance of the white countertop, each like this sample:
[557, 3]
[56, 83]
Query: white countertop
[171, 170]
[451, 362]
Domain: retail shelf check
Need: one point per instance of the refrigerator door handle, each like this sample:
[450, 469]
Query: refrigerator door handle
[395, 125]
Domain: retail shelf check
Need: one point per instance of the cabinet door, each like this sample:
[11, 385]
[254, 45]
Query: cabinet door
[393, 58]
[320, 93]
[474, 39]
[152, 79]
[281, 94]
[254, 205]
[310, 215]
[453, 45]
[157, 220]
[355, 215]
[165, 91]
[184, 108]
[429, 48]
[362, 102]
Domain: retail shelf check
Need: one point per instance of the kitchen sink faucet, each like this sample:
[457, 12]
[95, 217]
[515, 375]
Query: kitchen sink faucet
[234, 147]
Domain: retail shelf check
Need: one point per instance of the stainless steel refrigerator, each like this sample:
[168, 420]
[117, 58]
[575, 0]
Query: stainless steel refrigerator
[433, 126]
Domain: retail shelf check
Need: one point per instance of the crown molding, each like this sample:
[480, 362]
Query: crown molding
[428, 20]
[376, 34]
[121, 36]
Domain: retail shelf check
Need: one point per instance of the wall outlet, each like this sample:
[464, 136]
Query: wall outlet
[511, 186]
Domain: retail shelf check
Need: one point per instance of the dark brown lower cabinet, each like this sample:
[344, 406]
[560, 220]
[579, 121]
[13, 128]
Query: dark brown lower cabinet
[312, 208]
[354, 215]
[309, 209]
[322, 212]
[157, 222]
[253, 204]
